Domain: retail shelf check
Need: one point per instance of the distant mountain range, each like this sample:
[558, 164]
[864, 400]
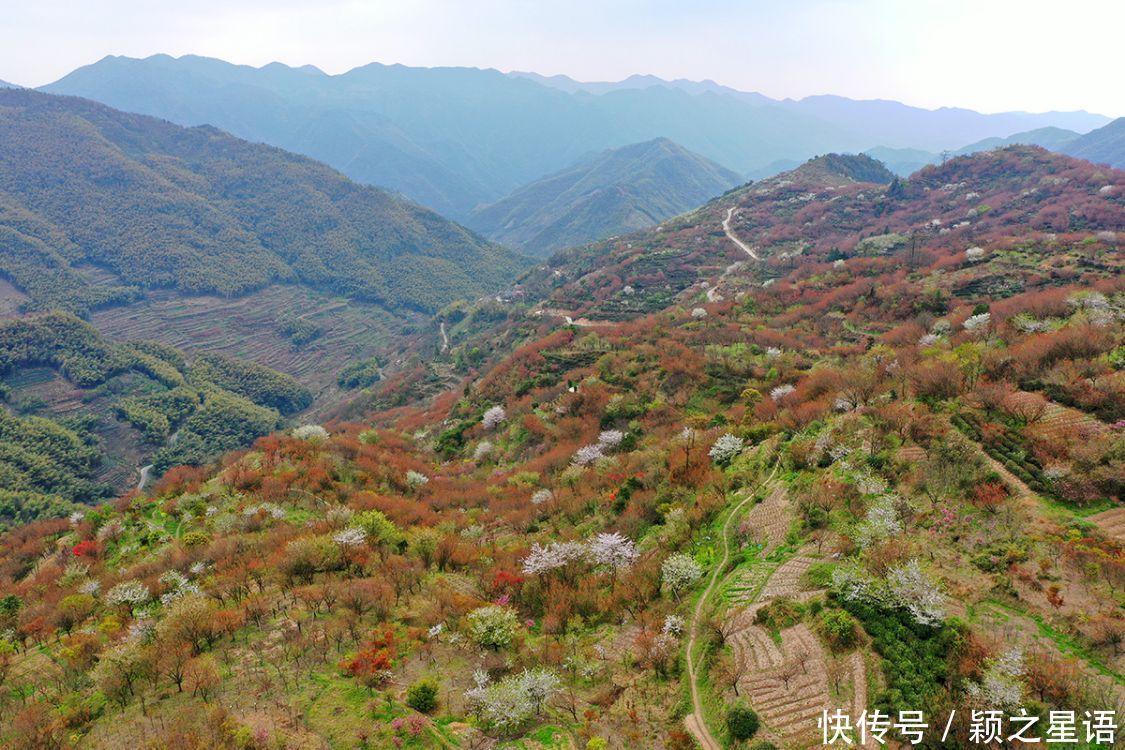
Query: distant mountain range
[620, 190]
[455, 139]
[200, 211]
[904, 161]
[1105, 145]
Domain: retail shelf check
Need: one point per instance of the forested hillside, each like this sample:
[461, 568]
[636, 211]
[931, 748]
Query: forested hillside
[83, 413]
[832, 441]
[616, 192]
[820, 214]
[199, 211]
[242, 259]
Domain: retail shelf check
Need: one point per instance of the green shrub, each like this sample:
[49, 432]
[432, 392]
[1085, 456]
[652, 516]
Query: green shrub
[839, 629]
[781, 613]
[742, 722]
[360, 374]
[818, 576]
[422, 696]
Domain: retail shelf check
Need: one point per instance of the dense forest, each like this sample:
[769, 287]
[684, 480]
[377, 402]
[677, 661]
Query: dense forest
[878, 468]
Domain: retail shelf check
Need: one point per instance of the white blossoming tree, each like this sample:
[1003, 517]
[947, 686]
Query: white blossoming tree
[1001, 684]
[679, 572]
[781, 392]
[128, 593]
[882, 522]
[912, 589]
[977, 322]
[313, 432]
[539, 684]
[351, 537]
[493, 626]
[613, 551]
[502, 706]
[726, 448]
[587, 454]
[610, 439]
[494, 417]
[554, 556]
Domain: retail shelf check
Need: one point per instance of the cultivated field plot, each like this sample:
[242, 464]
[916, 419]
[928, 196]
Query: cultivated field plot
[250, 327]
[786, 581]
[55, 397]
[10, 299]
[769, 521]
[1111, 522]
[788, 677]
[746, 585]
[1057, 420]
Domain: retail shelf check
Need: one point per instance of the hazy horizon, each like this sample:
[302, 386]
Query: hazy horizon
[956, 58]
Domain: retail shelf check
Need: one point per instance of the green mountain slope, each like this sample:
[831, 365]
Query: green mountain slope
[618, 191]
[199, 211]
[84, 413]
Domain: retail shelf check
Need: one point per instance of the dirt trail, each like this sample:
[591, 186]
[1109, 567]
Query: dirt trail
[733, 238]
[694, 721]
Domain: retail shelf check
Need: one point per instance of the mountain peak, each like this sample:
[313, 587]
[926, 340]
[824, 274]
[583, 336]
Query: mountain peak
[615, 192]
[854, 167]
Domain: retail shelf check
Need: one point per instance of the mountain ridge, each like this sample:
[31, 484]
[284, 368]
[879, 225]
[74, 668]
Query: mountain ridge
[907, 161]
[1106, 145]
[390, 125]
[617, 191]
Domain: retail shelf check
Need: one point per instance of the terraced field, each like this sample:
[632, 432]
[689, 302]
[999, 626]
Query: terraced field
[58, 398]
[10, 299]
[1111, 522]
[785, 675]
[249, 327]
[786, 581]
[1057, 419]
[746, 584]
[788, 684]
[769, 521]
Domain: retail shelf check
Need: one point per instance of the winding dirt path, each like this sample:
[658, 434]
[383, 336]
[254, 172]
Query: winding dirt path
[733, 238]
[694, 721]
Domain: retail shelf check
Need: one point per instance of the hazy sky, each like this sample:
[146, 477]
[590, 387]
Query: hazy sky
[989, 55]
